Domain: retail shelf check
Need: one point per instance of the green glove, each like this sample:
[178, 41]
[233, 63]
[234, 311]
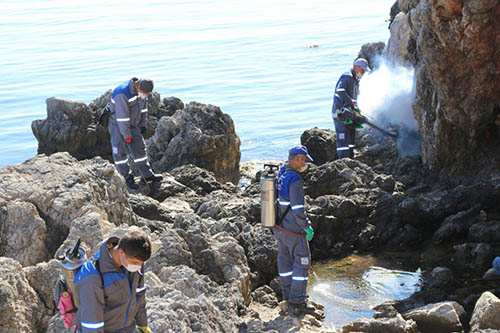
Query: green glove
[310, 233]
[145, 329]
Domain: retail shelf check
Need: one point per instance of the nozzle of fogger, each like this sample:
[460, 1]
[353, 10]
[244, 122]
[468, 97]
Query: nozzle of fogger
[74, 253]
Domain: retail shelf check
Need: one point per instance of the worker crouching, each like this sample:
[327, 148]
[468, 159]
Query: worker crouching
[127, 122]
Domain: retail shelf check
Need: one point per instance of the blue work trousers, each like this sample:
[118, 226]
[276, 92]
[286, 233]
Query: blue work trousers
[137, 150]
[346, 139]
[294, 261]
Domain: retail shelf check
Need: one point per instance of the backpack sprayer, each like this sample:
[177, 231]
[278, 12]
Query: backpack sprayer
[268, 195]
[70, 261]
[347, 113]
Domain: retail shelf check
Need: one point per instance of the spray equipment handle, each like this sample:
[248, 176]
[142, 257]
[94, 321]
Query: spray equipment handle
[74, 253]
[271, 167]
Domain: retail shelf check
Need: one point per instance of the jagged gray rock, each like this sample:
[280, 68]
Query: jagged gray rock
[22, 310]
[22, 232]
[70, 126]
[321, 144]
[63, 190]
[382, 325]
[41, 278]
[440, 317]
[212, 142]
[196, 178]
[181, 300]
[485, 314]
[454, 50]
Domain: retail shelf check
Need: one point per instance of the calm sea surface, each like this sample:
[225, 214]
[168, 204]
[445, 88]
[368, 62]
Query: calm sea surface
[271, 65]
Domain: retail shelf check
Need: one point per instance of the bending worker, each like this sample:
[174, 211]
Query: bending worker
[126, 125]
[294, 233]
[346, 93]
[111, 289]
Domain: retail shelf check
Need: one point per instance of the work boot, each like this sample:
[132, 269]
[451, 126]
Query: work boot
[300, 309]
[154, 178]
[283, 305]
[131, 184]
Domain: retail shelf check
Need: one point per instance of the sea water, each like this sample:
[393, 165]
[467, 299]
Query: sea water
[271, 65]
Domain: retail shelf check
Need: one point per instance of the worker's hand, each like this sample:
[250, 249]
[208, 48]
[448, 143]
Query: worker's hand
[145, 329]
[354, 106]
[128, 140]
[143, 130]
[309, 233]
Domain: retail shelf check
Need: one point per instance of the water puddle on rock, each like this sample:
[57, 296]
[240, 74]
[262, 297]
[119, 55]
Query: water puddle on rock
[351, 287]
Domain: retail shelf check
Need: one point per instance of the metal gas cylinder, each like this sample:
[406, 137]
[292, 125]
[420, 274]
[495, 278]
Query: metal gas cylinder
[268, 196]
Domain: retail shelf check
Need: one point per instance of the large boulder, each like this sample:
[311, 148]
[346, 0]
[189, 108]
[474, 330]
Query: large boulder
[180, 300]
[371, 51]
[440, 317]
[50, 194]
[201, 135]
[321, 144]
[455, 50]
[396, 324]
[21, 309]
[474, 256]
[337, 177]
[485, 315]
[70, 126]
[198, 179]
[41, 278]
[22, 232]
[457, 225]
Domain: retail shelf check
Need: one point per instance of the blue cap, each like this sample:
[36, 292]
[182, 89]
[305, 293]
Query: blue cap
[361, 62]
[300, 150]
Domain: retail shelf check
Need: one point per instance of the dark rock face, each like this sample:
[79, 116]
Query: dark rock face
[321, 144]
[371, 51]
[213, 143]
[198, 179]
[70, 127]
[455, 50]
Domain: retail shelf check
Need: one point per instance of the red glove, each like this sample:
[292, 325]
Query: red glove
[128, 140]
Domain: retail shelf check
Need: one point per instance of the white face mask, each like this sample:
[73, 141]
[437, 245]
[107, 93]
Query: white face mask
[359, 76]
[304, 168]
[131, 268]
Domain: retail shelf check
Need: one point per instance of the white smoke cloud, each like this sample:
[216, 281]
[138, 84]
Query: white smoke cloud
[386, 95]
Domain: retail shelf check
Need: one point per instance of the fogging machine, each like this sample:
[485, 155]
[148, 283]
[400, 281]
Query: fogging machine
[346, 113]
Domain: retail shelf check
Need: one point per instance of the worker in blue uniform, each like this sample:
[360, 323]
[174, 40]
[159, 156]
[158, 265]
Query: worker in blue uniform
[346, 93]
[127, 122]
[294, 232]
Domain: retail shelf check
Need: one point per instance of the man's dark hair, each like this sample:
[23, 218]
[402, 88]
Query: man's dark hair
[145, 84]
[136, 244]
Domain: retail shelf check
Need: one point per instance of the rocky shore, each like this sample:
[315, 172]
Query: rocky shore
[214, 266]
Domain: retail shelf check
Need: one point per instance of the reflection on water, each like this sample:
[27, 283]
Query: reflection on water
[351, 287]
